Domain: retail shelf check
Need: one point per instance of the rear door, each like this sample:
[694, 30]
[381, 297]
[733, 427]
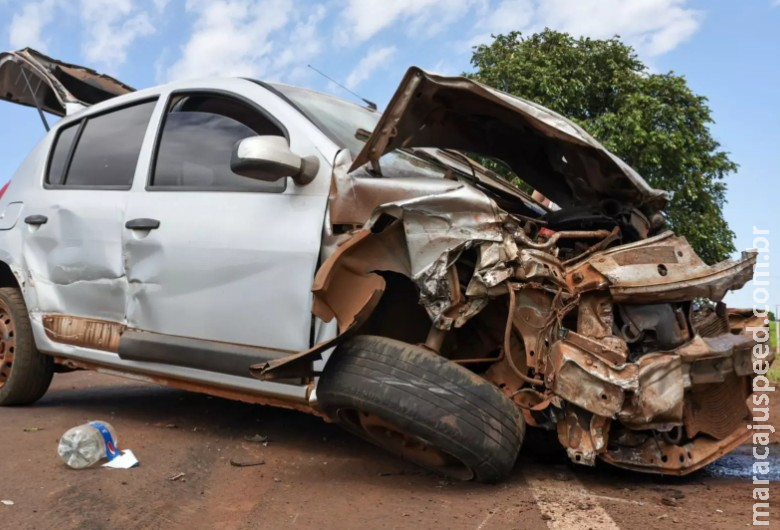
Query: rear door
[215, 257]
[73, 241]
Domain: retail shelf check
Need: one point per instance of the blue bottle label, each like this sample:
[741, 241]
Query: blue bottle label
[111, 449]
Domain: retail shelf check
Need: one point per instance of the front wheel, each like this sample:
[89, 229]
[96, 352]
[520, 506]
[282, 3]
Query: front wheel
[25, 374]
[422, 407]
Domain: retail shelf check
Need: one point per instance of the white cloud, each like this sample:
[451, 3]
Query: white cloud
[362, 19]
[267, 38]
[501, 17]
[110, 27]
[374, 59]
[28, 24]
[444, 67]
[653, 27]
[304, 40]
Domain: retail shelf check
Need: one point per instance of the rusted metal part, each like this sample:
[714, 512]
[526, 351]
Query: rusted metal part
[512, 354]
[584, 435]
[537, 266]
[595, 319]
[710, 359]
[246, 397]
[656, 455]
[604, 243]
[522, 238]
[535, 321]
[709, 323]
[658, 401]
[589, 381]
[7, 343]
[348, 281]
[84, 332]
[666, 269]
[741, 318]
[717, 409]
[59, 87]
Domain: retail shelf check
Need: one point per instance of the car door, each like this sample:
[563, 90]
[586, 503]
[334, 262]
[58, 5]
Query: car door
[216, 261]
[72, 246]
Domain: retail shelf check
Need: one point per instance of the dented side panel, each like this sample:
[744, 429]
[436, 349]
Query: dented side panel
[74, 260]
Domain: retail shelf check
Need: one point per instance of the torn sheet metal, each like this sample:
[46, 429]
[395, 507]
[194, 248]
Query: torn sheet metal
[58, 87]
[421, 238]
[663, 268]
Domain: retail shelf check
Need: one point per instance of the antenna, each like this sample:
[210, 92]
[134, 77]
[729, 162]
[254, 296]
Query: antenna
[370, 104]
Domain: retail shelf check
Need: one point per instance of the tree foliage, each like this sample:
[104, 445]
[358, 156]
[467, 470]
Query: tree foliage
[652, 121]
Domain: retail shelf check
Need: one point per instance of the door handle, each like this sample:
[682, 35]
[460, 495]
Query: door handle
[142, 224]
[36, 220]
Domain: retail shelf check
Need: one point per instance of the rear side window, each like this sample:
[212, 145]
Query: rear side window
[197, 141]
[59, 156]
[106, 149]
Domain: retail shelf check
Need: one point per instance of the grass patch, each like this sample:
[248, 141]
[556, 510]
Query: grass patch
[774, 372]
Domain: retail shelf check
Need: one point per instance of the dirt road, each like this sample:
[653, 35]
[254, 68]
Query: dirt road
[314, 475]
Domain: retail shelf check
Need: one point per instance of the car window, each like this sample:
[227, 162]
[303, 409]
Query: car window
[107, 148]
[59, 155]
[197, 142]
[347, 124]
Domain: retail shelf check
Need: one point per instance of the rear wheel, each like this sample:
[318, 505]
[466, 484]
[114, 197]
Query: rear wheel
[25, 374]
[422, 407]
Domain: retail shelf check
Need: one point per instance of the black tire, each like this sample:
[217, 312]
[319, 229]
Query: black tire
[25, 374]
[422, 407]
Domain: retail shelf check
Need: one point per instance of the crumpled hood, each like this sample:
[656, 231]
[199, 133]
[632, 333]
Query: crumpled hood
[27, 76]
[548, 151]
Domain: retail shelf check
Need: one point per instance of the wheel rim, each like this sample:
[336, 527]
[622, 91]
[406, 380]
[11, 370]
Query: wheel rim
[7, 343]
[391, 438]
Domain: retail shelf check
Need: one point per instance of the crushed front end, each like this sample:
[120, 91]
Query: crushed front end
[626, 368]
[587, 317]
[600, 341]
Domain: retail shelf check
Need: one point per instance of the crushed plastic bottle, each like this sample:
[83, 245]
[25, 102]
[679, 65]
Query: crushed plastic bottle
[87, 444]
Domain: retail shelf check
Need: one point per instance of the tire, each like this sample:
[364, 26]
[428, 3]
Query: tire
[25, 374]
[422, 407]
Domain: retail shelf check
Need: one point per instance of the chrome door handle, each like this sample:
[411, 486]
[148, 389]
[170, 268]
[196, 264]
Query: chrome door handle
[143, 224]
[36, 220]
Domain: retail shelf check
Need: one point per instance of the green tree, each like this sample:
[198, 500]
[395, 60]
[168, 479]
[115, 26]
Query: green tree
[652, 121]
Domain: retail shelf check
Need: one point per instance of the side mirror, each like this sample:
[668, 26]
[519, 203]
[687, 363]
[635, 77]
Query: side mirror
[269, 158]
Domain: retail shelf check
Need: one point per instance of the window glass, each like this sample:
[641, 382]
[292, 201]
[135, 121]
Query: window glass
[197, 142]
[348, 124]
[108, 148]
[59, 155]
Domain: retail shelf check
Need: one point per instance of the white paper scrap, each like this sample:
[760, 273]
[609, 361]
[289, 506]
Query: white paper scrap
[124, 461]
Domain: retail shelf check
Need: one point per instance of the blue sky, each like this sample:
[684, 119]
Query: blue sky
[729, 51]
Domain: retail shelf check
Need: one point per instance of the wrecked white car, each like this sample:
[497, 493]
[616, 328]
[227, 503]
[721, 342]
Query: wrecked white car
[275, 245]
